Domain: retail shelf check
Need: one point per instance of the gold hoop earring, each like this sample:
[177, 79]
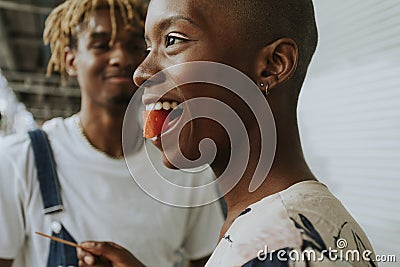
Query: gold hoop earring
[266, 90]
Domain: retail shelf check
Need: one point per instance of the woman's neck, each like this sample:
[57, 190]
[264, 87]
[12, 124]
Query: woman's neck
[288, 168]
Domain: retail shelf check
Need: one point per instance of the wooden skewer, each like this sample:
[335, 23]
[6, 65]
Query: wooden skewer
[69, 243]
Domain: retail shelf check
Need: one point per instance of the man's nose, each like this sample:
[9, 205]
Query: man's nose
[121, 57]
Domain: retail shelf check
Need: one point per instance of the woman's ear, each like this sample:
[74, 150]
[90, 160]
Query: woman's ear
[69, 58]
[277, 62]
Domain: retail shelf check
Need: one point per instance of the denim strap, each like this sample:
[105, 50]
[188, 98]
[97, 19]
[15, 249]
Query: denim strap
[46, 171]
[59, 254]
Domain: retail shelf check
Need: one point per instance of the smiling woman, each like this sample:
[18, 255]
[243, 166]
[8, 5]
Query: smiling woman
[271, 43]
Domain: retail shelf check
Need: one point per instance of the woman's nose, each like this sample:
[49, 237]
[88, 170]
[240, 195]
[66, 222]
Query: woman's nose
[144, 71]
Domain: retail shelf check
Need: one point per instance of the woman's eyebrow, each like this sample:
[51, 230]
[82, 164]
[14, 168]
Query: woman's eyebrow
[174, 18]
[165, 23]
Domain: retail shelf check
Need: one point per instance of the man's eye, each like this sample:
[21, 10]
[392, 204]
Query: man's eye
[101, 46]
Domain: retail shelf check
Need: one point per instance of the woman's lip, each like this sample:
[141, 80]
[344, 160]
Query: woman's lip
[157, 142]
[149, 99]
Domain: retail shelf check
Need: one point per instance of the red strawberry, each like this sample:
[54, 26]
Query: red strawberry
[154, 121]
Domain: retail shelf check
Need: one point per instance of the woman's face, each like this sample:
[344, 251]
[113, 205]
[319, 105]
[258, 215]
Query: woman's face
[181, 31]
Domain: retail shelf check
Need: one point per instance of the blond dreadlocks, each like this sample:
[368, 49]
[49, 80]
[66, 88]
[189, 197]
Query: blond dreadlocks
[61, 24]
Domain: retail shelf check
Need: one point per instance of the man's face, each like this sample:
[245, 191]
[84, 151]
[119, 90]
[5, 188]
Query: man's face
[179, 31]
[105, 72]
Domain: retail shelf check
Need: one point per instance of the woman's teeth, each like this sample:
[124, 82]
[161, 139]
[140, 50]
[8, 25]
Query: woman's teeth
[166, 105]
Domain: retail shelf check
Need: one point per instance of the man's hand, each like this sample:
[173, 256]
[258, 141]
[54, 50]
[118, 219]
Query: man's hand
[105, 254]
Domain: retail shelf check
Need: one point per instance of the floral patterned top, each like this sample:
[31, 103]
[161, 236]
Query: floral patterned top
[304, 225]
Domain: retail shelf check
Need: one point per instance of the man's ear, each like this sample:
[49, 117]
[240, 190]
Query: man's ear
[69, 58]
[277, 62]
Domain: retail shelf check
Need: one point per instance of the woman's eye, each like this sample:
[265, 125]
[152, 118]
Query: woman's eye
[173, 39]
[147, 51]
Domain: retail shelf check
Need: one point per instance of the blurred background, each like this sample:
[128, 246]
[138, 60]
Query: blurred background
[23, 62]
[349, 110]
[349, 113]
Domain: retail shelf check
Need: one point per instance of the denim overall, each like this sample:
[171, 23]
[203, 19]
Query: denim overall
[60, 255]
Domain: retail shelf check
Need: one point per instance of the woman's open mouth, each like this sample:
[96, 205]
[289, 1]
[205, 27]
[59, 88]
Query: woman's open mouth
[159, 117]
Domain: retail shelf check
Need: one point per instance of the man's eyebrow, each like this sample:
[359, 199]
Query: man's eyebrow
[164, 24]
[107, 34]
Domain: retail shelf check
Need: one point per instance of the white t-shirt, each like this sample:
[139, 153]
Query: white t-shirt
[286, 228]
[101, 202]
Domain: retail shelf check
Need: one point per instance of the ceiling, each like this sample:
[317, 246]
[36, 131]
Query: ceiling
[23, 60]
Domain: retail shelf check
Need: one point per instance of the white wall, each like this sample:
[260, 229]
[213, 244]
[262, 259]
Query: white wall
[349, 113]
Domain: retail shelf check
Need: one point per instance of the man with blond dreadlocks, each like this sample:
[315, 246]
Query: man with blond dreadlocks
[91, 194]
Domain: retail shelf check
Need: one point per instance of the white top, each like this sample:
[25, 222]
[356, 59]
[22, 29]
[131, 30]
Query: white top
[304, 219]
[101, 202]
